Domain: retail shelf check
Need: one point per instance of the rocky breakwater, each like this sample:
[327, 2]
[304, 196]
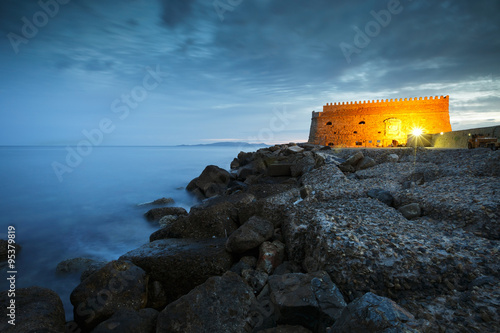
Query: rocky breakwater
[303, 238]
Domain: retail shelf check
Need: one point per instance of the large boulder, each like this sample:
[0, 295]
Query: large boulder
[119, 284]
[250, 235]
[311, 300]
[375, 314]
[181, 264]
[211, 182]
[215, 221]
[35, 310]
[129, 321]
[221, 304]
[156, 214]
[365, 163]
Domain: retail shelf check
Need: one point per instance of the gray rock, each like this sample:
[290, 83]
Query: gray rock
[410, 211]
[392, 158]
[161, 201]
[221, 304]
[271, 255]
[36, 310]
[365, 163]
[78, 265]
[211, 182]
[294, 149]
[129, 321]
[306, 191]
[381, 195]
[303, 165]
[118, 284]
[311, 300]
[181, 264]
[255, 279]
[250, 235]
[354, 159]
[372, 313]
[219, 220]
[156, 214]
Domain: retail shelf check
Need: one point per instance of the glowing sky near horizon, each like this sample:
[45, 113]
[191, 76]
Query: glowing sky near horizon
[252, 72]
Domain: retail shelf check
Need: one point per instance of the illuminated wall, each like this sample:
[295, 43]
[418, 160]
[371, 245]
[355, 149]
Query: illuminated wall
[378, 123]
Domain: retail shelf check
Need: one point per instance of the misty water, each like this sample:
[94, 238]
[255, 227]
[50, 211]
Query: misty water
[93, 212]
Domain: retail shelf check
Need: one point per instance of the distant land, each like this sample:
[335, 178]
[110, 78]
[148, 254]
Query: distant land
[228, 144]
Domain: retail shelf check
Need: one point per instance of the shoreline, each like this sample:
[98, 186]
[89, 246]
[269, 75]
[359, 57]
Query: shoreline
[288, 216]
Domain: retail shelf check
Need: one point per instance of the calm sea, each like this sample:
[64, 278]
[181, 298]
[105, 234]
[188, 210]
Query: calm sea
[93, 212]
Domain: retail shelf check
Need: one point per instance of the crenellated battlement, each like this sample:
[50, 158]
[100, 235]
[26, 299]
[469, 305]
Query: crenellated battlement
[379, 122]
[397, 102]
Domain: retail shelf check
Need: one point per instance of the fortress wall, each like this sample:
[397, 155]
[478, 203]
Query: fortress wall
[458, 139]
[381, 122]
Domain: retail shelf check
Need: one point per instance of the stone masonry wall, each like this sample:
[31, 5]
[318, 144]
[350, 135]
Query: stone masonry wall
[378, 123]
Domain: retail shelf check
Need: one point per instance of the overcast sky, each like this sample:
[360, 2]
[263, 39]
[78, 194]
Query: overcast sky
[162, 72]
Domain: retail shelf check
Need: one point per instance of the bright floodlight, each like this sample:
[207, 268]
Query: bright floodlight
[417, 132]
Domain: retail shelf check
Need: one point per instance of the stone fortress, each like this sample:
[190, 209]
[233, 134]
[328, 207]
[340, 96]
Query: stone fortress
[380, 123]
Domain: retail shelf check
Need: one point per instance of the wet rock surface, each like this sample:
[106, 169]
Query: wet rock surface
[36, 310]
[221, 304]
[181, 264]
[322, 239]
[119, 284]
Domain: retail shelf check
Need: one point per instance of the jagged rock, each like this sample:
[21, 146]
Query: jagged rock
[211, 182]
[354, 159]
[156, 214]
[294, 150]
[168, 220]
[392, 158]
[303, 165]
[410, 211]
[78, 265]
[161, 201]
[235, 164]
[221, 304]
[381, 195]
[255, 279]
[365, 163]
[219, 220]
[245, 158]
[250, 235]
[271, 255]
[36, 310]
[311, 300]
[118, 284]
[129, 321]
[181, 264]
[372, 313]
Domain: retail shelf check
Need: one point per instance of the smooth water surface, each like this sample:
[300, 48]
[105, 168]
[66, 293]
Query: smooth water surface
[94, 211]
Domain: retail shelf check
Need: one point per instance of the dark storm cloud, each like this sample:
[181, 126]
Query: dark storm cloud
[175, 11]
